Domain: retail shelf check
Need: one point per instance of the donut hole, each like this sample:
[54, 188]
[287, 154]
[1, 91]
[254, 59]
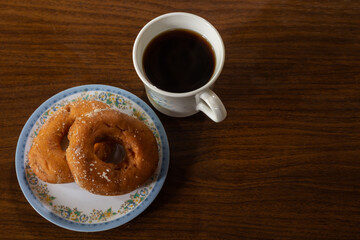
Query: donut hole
[110, 152]
[64, 143]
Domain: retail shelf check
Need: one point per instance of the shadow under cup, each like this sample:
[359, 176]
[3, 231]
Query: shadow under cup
[185, 103]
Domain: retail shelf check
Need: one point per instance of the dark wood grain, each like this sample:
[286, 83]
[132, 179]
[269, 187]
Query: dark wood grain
[284, 164]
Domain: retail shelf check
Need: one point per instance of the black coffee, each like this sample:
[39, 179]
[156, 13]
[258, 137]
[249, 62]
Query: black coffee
[179, 61]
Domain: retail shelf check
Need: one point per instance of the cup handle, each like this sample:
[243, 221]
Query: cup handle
[210, 104]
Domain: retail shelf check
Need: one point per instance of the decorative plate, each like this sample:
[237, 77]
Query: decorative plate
[69, 206]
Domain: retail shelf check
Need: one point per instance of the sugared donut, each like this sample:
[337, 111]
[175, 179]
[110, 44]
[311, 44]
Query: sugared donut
[99, 177]
[47, 158]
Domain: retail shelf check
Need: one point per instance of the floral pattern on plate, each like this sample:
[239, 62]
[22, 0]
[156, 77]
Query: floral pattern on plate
[76, 213]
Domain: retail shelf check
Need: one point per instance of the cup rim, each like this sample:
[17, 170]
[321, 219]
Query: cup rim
[173, 94]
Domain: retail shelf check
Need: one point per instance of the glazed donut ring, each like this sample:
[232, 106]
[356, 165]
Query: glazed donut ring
[46, 156]
[98, 177]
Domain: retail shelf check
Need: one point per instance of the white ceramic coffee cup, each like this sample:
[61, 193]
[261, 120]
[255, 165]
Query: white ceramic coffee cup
[187, 103]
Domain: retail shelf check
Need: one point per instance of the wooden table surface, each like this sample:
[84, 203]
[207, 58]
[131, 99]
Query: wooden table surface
[285, 163]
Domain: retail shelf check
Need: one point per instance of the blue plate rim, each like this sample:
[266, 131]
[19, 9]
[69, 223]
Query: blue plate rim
[50, 216]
